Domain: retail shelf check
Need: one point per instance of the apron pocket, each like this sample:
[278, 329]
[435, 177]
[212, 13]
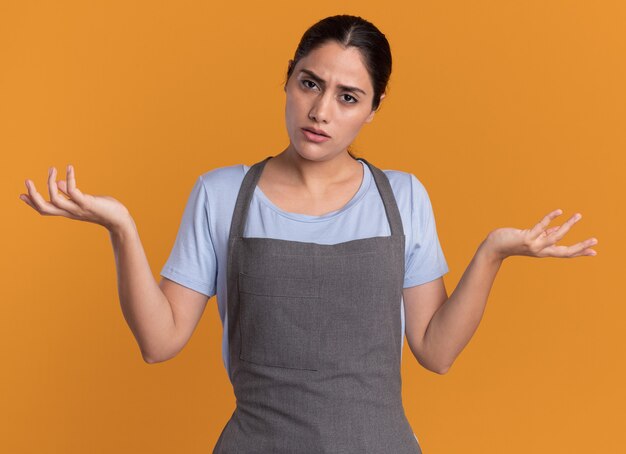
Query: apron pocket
[280, 321]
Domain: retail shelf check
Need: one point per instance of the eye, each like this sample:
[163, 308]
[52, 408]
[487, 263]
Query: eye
[305, 81]
[354, 101]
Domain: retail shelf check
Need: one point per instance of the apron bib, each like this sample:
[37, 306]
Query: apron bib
[315, 340]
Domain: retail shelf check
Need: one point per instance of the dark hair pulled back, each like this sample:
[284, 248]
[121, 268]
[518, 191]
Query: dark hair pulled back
[356, 32]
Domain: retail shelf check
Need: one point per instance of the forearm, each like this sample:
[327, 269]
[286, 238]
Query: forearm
[454, 323]
[144, 305]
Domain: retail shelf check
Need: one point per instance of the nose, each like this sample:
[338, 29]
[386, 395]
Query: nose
[320, 111]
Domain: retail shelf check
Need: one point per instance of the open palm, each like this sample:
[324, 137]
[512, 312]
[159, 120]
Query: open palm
[540, 241]
[99, 209]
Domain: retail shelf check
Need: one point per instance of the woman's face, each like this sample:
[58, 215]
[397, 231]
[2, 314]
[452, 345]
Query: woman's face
[329, 90]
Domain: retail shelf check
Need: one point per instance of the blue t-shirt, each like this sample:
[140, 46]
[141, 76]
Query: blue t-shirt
[198, 258]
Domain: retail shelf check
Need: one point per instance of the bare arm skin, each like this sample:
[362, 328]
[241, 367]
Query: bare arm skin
[438, 327]
[162, 317]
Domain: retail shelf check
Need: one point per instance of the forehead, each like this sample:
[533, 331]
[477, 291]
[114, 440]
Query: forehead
[336, 64]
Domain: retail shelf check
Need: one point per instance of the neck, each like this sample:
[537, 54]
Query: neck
[314, 174]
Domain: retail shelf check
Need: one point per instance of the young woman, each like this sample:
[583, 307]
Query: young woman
[321, 264]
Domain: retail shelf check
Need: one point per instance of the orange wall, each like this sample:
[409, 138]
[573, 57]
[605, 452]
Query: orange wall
[504, 110]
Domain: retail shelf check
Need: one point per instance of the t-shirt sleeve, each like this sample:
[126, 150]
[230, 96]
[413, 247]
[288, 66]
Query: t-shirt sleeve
[426, 261]
[192, 261]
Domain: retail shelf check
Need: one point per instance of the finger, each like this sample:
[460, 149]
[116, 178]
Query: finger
[75, 193]
[575, 250]
[552, 229]
[586, 252]
[62, 185]
[541, 225]
[580, 248]
[40, 204]
[556, 236]
[58, 200]
[24, 198]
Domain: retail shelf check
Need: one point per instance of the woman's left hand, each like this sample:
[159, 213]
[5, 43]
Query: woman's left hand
[540, 241]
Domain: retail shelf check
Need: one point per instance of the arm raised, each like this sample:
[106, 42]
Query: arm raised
[161, 316]
[438, 327]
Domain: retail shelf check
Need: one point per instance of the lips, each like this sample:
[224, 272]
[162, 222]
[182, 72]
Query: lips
[313, 137]
[317, 131]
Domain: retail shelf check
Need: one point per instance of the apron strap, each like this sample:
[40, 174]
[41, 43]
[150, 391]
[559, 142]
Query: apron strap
[246, 191]
[389, 201]
[251, 179]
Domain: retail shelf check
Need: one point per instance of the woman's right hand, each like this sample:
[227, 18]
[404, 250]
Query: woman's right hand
[103, 210]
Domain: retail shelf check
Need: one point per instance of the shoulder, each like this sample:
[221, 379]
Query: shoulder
[406, 186]
[222, 179]
[221, 187]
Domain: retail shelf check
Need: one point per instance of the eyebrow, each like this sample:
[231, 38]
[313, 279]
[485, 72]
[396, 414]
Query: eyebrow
[322, 82]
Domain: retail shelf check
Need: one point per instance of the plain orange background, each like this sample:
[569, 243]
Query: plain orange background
[504, 110]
